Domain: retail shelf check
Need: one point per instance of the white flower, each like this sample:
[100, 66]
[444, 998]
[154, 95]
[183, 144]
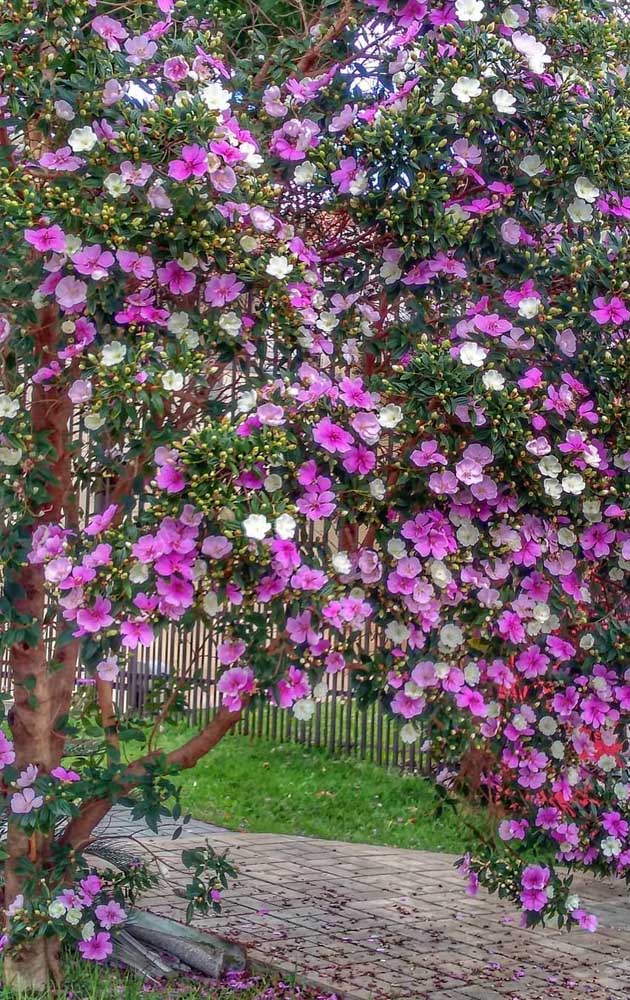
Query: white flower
[467, 534]
[409, 733]
[88, 930]
[532, 165]
[272, 482]
[492, 379]
[573, 902]
[359, 183]
[249, 243]
[529, 307]
[607, 763]
[472, 355]
[547, 725]
[230, 323]
[284, 526]
[112, 354]
[438, 95]
[172, 381]
[73, 916]
[139, 572]
[304, 173]
[504, 102]
[177, 323]
[557, 749]
[211, 604]
[188, 261]
[550, 466]
[397, 632]
[573, 483]
[451, 637]
[592, 510]
[10, 456]
[611, 847]
[81, 140]
[580, 211]
[377, 489]
[320, 691]
[533, 50]
[278, 267]
[115, 185]
[469, 10]
[390, 272]
[341, 563]
[552, 488]
[304, 709]
[56, 909]
[256, 526]
[466, 88]
[396, 548]
[215, 97]
[566, 537]
[622, 791]
[440, 573]
[64, 111]
[587, 641]
[246, 401]
[94, 421]
[471, 674]
[390, 416]
[586, 190]
[8, 407]
[513, 17]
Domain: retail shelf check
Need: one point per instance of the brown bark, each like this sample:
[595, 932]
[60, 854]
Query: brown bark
[78, 832]
[40, 696]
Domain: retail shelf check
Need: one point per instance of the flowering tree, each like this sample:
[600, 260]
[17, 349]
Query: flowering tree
[402, 238]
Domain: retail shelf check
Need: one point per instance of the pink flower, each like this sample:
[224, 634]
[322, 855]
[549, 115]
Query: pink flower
[229, 652]
[63, 775]
[95, 618]
[170, 479]
[332, 437]
[61, 159]
[97, 948]
[100, 522]
[136, 632]
[179, 281]
[176, 69]
[233, 684]
[25, 801]
[223, 288]
[140, 49]
[587, 921]
[7, 753]
[193, 163]
[142, 267]
[613, 311]
[70, 292]
[46, 239]
[93, 261]
[111, 30]
[109, 914]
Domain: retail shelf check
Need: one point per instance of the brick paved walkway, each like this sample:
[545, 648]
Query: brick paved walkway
[381, 924]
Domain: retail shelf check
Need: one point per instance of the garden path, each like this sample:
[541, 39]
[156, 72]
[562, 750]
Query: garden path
[377, 923]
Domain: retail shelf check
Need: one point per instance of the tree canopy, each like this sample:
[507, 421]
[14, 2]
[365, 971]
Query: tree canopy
[322, 339]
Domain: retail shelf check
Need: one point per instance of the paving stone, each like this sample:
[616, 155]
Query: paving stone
[372, 923]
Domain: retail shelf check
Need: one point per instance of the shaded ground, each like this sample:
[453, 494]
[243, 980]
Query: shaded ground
[388, 924]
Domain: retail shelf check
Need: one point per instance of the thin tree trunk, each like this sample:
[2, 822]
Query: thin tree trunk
[40, 696]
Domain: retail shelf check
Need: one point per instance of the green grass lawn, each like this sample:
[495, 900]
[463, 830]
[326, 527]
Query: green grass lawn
[265, 787]
[89, 981]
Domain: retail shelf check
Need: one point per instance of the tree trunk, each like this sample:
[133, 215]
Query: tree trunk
[35, 967]
[40, 695]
